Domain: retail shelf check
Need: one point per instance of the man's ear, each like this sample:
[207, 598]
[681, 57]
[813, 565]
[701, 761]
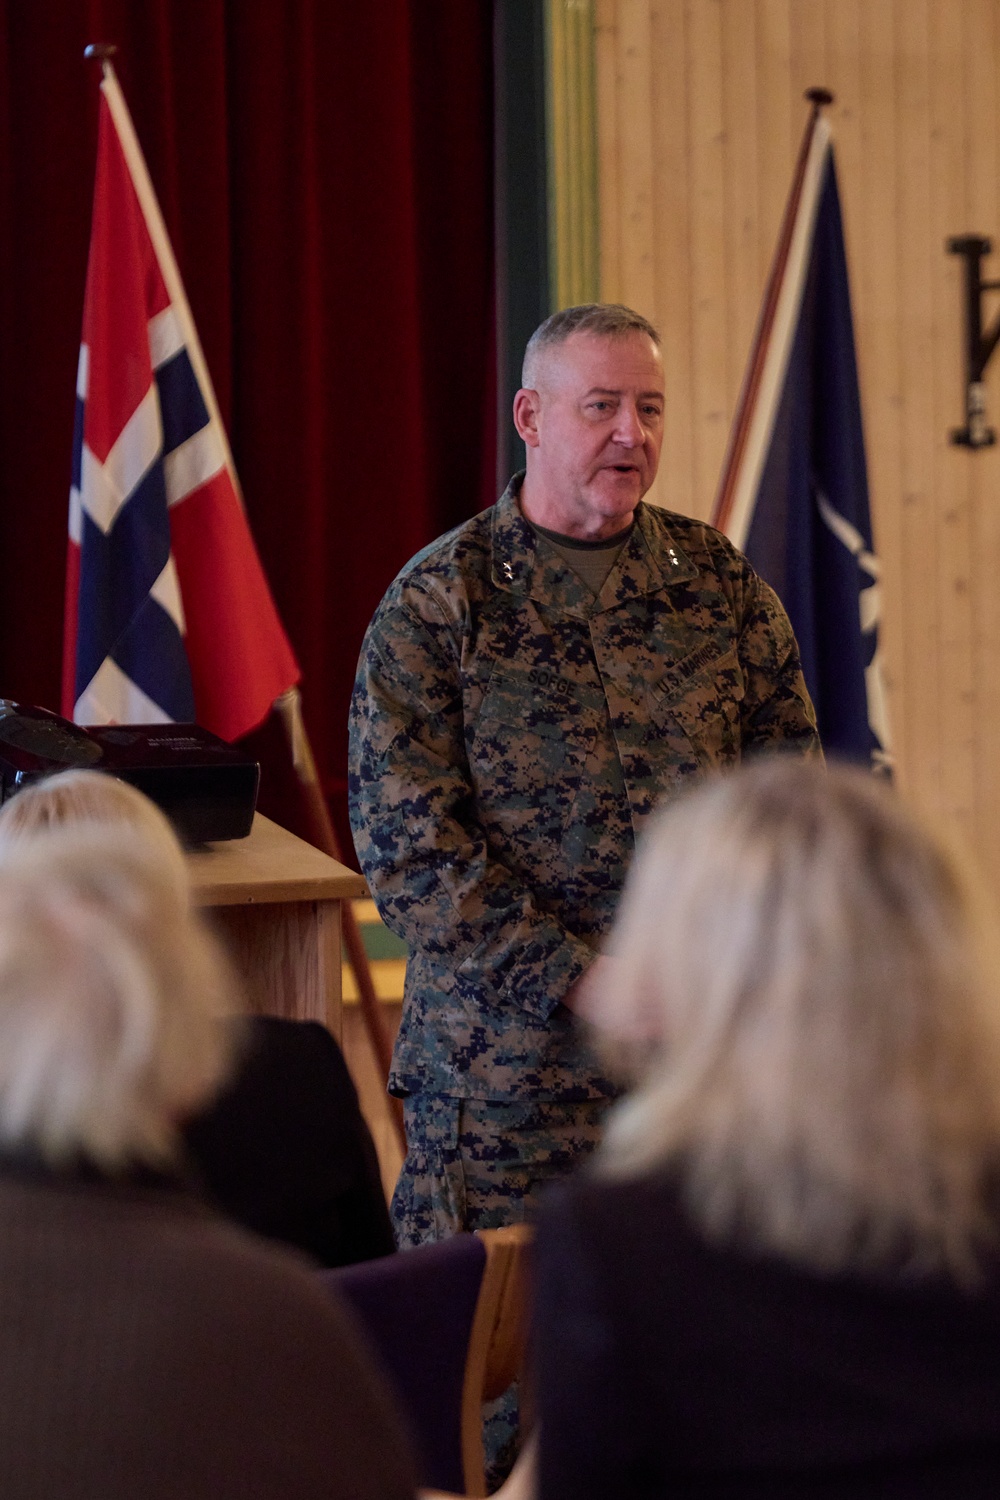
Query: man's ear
[526, 408]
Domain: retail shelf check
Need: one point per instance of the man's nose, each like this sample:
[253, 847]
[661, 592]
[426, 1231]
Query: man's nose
[629, 431]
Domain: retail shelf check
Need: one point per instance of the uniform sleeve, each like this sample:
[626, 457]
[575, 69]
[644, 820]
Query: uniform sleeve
[413, 811]
[777, 711]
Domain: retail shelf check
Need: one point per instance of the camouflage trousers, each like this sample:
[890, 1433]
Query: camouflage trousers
[479, 1164]
[482, 1163]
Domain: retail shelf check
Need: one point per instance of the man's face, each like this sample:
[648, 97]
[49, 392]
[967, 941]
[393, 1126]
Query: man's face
[593, 430]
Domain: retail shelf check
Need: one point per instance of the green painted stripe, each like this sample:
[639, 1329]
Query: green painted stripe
[571, 130]
[381, 943]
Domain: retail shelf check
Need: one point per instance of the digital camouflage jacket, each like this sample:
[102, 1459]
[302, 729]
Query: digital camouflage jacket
[510, 736]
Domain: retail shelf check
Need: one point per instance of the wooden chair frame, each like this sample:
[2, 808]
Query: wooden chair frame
[497, 1342]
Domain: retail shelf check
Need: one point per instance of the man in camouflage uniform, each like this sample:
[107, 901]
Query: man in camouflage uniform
[531, 686]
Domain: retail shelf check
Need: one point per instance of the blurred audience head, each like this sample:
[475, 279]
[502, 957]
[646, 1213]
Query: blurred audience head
[806, 1001]
[111, 987]
[90, 798]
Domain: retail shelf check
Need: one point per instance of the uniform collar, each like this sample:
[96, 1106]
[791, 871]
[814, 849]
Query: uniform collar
[522, 563]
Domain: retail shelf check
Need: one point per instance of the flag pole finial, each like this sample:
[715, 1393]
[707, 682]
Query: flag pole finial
[818, 97]
[101, 52]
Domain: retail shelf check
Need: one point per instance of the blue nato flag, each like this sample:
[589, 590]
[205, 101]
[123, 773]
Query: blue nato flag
[810, 534]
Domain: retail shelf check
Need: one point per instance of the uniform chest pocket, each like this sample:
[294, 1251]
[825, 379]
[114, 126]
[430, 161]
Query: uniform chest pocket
[530, 739]
[701, 699]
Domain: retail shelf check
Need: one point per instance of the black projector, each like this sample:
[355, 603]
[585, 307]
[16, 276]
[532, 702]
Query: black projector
[207, 789]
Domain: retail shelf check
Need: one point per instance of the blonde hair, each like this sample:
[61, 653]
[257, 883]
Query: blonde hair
[806, 996]
[90, 798]
[111, 993]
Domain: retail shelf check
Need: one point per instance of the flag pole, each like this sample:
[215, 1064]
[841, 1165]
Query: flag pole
[739, 433]
[289, 706]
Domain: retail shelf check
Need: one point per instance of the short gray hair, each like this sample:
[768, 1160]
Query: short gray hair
[605, 319]
[112, 994]
[807, 996]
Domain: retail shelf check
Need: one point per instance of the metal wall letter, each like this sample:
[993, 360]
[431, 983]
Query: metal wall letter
[980, 342]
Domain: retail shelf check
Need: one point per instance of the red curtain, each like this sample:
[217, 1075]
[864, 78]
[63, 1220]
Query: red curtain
[325, 170]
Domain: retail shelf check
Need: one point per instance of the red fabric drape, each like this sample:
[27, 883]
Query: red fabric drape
[325, 172]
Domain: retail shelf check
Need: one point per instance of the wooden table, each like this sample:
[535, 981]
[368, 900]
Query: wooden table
[275, 900]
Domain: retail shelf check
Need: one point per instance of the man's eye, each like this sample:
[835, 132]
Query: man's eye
[652, 411]
[600, 405]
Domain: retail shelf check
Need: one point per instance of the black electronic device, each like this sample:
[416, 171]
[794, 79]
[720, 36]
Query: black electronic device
[207, 789]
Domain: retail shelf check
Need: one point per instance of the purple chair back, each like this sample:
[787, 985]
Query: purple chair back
[417, 1308]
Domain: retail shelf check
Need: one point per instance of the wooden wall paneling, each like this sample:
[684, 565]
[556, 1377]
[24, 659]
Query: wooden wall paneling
[675, 485]
[843, 56]
[588, 213]
[982, 132]
[941, 557]
[609, 137]
[808, 56]
[910, 546]
[778, 142]
[635, 154]
[740, 166]
[712, 400]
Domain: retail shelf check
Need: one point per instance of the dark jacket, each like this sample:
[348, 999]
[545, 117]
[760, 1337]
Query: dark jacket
[148, 1349]
[285, 1150]
[668, 1367]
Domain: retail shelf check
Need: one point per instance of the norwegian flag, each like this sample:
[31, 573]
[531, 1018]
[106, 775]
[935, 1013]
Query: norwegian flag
[168, 614]
[794, 487]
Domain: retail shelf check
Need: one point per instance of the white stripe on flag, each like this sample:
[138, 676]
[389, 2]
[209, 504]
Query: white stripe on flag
[878, 712]
[112, 698]
[870, 612]
[780, 344]
[193, 463]
[870, 606]
[75, 517]
[870, 595]
[848, 534]
[106, 487]
[83, 372]
[141, 181]
[167, 593]
[166, 338]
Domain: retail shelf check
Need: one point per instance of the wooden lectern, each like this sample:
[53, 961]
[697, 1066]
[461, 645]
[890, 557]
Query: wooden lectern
[275, 901]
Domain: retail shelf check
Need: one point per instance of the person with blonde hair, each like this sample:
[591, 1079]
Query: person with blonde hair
[781, 1277]
[81, 796]
[283, 1148]
[111, 992]
[146, 1347]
